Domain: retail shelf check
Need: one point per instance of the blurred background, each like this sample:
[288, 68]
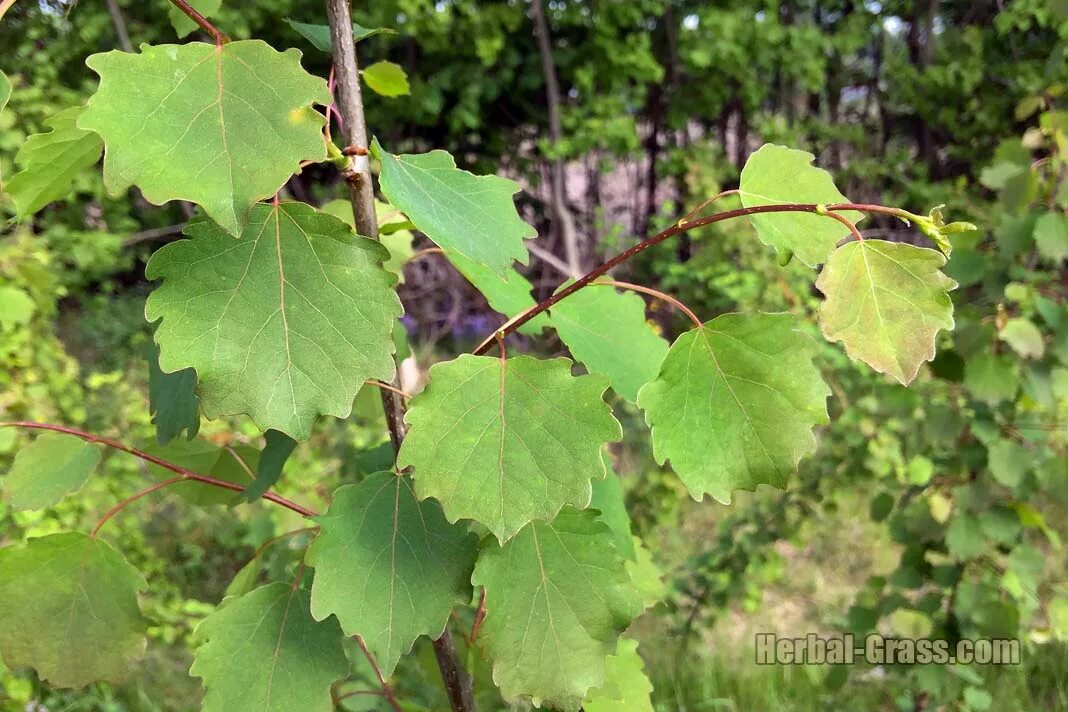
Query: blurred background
[937, 510]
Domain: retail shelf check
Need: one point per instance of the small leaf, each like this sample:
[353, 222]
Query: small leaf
[5, 90]
[16, 308]
[886, 301]
[387, 79]
[606, 330]
[991, 378]
[283, 324]
[509, 296]
[626, 686]
[276, 451]
[557, 598]
[461, 212]
[775, 175]
[1024, 338]
[50, 162]
[265, 652]
[319, 35]
[608, 500]
[1051, 236]
[182, 23]
[232, 464]
[389, 566]
[735, 403]
[507, 442]
[70, 609]
[220, 126]
[47, 470]
[172, 400]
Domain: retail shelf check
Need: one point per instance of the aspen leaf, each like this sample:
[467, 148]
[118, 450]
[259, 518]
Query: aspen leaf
[626, 686]
[775, 175]
[70, 609]
[507, 442]
[50, 161]
[886, 301]
[220, 126]
[606, 330]
[5, 90]
[1024, 338]
[284, 324]
[474, 216]
[735, 403]
[172, 400]
[265, 652]
[276, 450]
[182, 23]
[1051, 236]
[319, 35]
[390, 567]
[509, 295]
[558, 596]
[48, 469]
[386, 79]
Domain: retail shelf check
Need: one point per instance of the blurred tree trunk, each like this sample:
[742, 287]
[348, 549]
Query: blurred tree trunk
[918, 40]
[563, 221]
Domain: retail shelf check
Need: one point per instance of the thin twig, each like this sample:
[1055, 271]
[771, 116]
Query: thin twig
[705, 203]
[676, 229]
[387, 691]
[480, 615]
[387, 387]
[663, 296]
[205, 24]
[186, 474]
[133, 498]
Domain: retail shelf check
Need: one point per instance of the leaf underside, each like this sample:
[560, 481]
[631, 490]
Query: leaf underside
[886, 301]
[735, 403]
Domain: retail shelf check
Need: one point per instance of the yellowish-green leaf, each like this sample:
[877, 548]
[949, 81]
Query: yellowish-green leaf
[776, 175]
[507, 442]
[398, 241]
[886, 301]
[1051, 236]
[735, 403]
[626, 687]
[70, 609]
[220, 126]
[265, 652]
[461, 212]
[558, 597]
[50, 162]
[389, 566]
[387, 79]
[47, 470]
[1024, 337]
[284, 324]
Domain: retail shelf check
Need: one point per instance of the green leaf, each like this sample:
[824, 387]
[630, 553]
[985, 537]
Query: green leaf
[609, 501]
[1051, 236]
[276, 451]
[735, 402]
[265, 652]
[510, 295]
[47, 470]
[181, 22]
[645, 575]
[232, 464]
[389, 566]
[1009, 462]
[319, 35]
[607, 331]
[775, 175]
[387, 79]
[16, 308]
[991, 378]
[1024, 338]
[626, 687]
[50, 162]
[474, 216]
[70, 609]
[507, 442]
[886, 301]
[557, 597]
[283, 324]
[172, 400]
[5, 90]
[219, 126]
[964, 538]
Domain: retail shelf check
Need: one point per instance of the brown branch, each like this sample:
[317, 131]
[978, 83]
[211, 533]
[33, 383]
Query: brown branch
[676, 229]
[349, 109]
[480, 615]
[205, 24]
[387, 691]
[183, 472]
[662, 296]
